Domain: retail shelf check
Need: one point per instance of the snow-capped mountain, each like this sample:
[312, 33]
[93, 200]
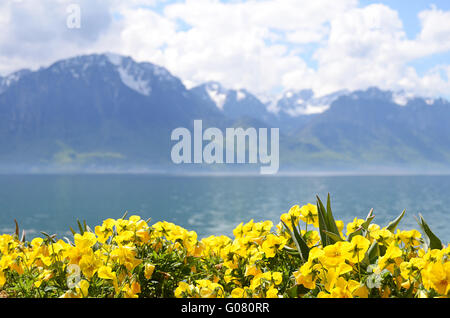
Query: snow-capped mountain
[95, 108]
[6, 82]
[140, 77]
[106, 109]
[304, 102]
[233, 103]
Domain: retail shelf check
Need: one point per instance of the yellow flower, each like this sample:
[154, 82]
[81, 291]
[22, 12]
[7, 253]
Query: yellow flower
[272, 293]
[309, 214]
[275, 277]
[359, 290]
[353, 226]
[239, 292]
[252, 270]
[343, 289]
[432, 256]
[311, 237]
[410, 270]
[391, 257]
[148, 271]
[105, 272]
[340, 226]
[357, 249]
[383, 236]
[292, 216]
[239, 231]
[85, 241]
[70, 294]
[373, 227]
[308, 274]
[272, 244]
[83, 288]
[132, 291]
[437, 276]
[43, 277]
[330, 276]
[335, 254]
[105, 230]
[262, 228]
[410, 238]
[323, 294]
[208, 289]
[89, 264]
[125, 255]
[2, 278]
[182, 290]
[315, 253]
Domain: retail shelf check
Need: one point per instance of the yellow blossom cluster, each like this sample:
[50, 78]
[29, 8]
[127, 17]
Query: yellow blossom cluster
[128, 257]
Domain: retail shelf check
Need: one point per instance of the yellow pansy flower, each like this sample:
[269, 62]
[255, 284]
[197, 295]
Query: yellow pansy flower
[335, 254]
[357, 249]
[89, 264]
[148, 271]
[85, 241]
[410, 238]
[354, 225]
[105, 272]
[309, 214]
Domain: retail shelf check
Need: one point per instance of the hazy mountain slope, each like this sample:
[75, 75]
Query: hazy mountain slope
[106, 110]
[94, 106]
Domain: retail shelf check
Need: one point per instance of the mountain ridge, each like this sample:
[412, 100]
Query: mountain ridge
[106, 110]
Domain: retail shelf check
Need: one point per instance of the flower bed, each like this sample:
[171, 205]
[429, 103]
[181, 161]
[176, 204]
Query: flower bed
[308, 254]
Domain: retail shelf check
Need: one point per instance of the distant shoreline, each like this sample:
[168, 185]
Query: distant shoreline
[284, 174]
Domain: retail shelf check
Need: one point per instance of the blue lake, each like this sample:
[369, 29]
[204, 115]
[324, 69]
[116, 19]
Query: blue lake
[212, 204]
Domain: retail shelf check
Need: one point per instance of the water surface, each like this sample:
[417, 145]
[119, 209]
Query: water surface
[214, 205]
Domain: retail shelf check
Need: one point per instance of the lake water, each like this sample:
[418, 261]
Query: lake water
[214, 205]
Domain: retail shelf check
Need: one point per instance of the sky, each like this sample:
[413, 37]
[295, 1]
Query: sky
[265, 46]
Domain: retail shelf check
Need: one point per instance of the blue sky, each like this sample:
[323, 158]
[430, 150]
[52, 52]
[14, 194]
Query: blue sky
[408, 12]
[265, 46]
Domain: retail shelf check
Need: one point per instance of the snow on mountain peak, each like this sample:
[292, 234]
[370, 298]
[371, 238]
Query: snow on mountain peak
[12, 78]
[131, 73]
[401, 98]
[217, 94]
[240, 95]
[303, 102]
[134, 81]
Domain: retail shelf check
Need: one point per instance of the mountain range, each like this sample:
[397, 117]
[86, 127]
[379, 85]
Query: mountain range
[106, 112]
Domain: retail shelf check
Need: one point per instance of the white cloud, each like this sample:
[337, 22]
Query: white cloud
[255, 44]
[368, 47]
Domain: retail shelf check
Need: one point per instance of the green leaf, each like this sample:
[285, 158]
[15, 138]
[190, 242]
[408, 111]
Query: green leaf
[72, 230]
[331, 223]
[304, 249]
[293, 239]
[291, 250]
[357, 232]
[435, 242]
[80, 227]
[392, 225]
[322, 224]
[17, 228]
[372, 254]
[293, 291]
[368, 220]
[334, 237]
